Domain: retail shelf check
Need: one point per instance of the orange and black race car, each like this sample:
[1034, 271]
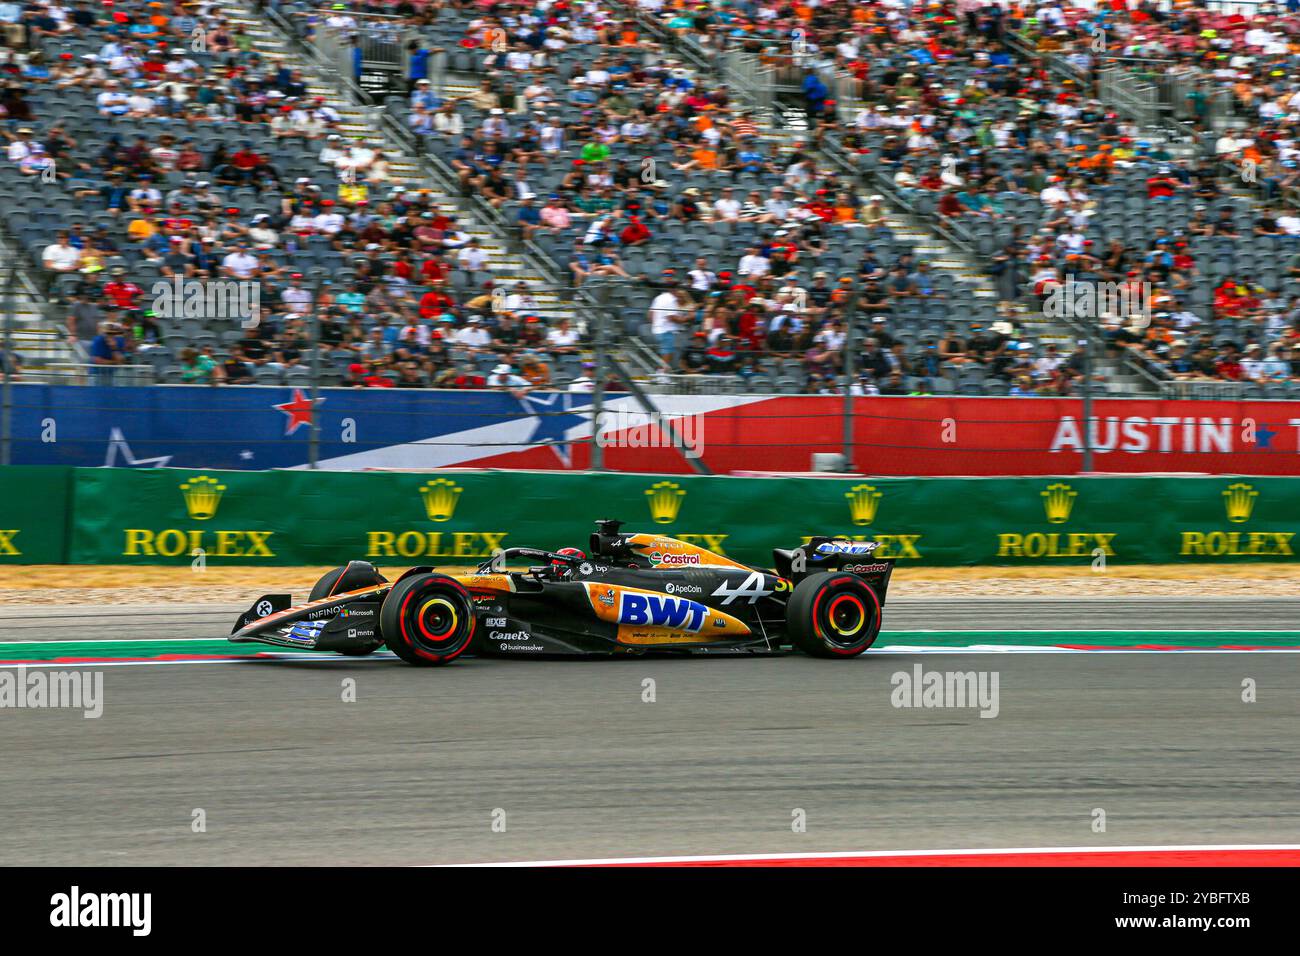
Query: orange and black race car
[626, 594]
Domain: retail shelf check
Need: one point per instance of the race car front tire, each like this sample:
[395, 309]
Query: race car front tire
[833, 614]
[427, 619]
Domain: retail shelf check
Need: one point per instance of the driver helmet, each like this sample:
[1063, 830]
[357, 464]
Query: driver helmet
[565, 567]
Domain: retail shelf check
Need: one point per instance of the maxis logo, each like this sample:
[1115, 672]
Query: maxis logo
[899, 546]
[650, 609]
[7, 545]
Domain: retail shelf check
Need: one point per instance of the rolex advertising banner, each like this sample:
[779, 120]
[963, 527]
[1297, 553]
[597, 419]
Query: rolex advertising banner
[34, 509]
[171, 516]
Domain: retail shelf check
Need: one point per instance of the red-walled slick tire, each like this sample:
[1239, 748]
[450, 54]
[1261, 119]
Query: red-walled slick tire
[833, 614]
[427, 619]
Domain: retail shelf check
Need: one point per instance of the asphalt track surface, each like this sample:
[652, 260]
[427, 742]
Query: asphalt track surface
[413, 770]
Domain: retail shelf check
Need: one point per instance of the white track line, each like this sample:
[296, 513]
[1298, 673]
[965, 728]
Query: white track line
[876, 854]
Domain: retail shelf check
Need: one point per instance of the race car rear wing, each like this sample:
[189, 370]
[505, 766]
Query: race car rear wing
[836, 554]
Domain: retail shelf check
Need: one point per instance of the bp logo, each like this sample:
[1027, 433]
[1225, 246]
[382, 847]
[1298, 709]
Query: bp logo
[863, 502]
[202, 497]
[1058, 502]
[665, 500]
[440, 497]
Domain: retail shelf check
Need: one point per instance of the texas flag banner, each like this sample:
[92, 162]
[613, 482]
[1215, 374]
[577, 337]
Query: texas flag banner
[257, 428]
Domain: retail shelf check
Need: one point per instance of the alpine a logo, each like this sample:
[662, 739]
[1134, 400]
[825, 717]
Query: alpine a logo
[649, 609]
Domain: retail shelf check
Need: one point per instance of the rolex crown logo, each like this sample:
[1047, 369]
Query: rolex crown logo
[1058, 500]
[1239, 501]
[202, 495]
[863, 502]
[440, 496]
[665, 501]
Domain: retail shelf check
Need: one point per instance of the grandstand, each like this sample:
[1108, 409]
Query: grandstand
[752, 197]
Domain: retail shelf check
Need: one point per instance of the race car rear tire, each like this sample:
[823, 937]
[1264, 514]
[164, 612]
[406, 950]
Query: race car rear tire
[427, 619]
[351, 577]
[833, 614]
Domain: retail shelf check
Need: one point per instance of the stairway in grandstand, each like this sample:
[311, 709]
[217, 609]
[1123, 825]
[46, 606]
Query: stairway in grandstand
[505, 261]
[1181, 142]
[787, 127]
[38, 339]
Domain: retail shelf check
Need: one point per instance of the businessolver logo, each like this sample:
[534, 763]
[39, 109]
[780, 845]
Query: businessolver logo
[438, 500]
[1058, 500]
[201, 496]
[665, 500]
[863, 502]
[1239, 500]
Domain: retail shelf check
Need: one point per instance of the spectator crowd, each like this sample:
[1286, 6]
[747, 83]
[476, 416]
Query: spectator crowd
[734, 248]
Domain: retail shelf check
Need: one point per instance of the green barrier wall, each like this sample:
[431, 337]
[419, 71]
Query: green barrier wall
[35, 504]
[163, 516]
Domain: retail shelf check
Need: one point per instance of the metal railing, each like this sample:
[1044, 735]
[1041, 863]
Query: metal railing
[71, 373]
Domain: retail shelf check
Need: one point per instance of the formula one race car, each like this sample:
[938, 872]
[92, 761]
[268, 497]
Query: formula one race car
[630, 594]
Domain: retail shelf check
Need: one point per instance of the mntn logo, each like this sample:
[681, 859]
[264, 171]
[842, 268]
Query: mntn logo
[646, 609]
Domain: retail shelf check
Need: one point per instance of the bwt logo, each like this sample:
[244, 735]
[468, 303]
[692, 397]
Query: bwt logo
[650, 609]
[210, 299]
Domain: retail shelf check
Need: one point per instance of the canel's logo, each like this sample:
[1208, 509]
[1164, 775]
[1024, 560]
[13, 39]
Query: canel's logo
[665, 500]
[863, 502]
[202, 496]
[440, 497]
[651, 609]
[1058, 501]
[1239, 501]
